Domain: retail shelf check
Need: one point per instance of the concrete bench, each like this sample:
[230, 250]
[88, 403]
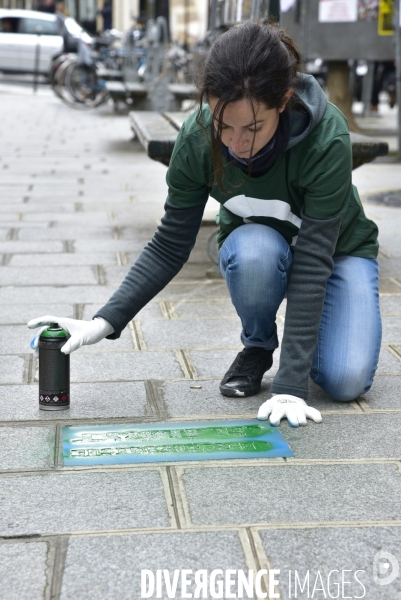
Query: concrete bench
[122, 91]
[139, 94]
[365, 149]
[157, 133]
[182, 91]
[109, 74]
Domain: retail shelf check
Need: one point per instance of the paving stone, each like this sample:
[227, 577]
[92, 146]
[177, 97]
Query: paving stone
[214, 363]
[46, 192]
[22, 313]
[390, 305]
[192, 334]
[87, 577]
[391, 329]
[384, 393]
[124, 366]
[180, 399]
[54, 294]
[12, 369]
[4, 232]
[293, 493]
[17, 247]
[88, 401]
[320, 400]
[391, 244]
[86, 246]
[124, 342]
[48, 275]
[89, 310]
[388, 363]
[15, 339]
[26, 447]
[131, 257]
[90, 501]
[200, 310]
[347, 436]
[14, 201]
[388, 226]
[390, 267]
[34, 207]
[16, 223]
[115, 275]
[199, 254]
[151, 311]
[23, 571]
[61, 259]
[327, 549]
[388, 286]
[74, 217]
[194, 271]
[194, 291]
[66, 232]
[146, 234]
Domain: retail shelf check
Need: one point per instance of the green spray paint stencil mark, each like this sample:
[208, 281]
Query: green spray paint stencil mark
[114, 444]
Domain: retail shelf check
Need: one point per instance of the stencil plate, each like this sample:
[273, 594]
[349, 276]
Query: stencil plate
[161, 442]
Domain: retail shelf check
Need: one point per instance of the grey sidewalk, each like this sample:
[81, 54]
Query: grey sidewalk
[78, 202]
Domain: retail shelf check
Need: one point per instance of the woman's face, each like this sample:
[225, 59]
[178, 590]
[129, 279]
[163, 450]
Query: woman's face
[241, 128]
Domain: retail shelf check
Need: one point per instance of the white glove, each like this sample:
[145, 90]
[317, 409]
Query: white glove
[83, 333]
[284, 405]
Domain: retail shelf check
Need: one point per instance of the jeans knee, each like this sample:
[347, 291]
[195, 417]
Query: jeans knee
[257, 249]
[346, 386]
[345, 395]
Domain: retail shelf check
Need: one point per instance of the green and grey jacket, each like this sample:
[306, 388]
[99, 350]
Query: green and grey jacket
[307, 196]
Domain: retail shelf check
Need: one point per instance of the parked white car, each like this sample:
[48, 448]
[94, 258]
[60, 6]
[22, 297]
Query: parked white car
[22, 31]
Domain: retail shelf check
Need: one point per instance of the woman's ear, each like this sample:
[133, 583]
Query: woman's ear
[287, 96]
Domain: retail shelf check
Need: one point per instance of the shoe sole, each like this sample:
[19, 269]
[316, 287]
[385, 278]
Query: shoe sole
[232, 393]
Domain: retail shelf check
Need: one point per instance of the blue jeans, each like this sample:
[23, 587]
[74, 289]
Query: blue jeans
[255, 261]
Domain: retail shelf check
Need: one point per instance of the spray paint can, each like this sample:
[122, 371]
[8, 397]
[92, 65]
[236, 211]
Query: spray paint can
[54, 369]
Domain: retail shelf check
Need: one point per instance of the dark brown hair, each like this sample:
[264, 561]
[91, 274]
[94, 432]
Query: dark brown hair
[254, 61]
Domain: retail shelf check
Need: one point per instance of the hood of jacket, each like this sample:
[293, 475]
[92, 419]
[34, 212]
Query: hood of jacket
[308, 111]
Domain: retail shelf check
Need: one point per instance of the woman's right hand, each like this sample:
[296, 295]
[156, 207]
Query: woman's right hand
[83, 333]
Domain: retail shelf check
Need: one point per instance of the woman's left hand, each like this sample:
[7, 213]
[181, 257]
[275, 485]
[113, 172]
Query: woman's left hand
[284, 405]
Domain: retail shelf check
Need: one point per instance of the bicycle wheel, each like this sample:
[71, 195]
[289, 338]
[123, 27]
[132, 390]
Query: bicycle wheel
[74, 88]
[57, 74]
[84, 86]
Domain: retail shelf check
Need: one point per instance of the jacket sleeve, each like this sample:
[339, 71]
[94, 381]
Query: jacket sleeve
[312, 266]
[156, 266]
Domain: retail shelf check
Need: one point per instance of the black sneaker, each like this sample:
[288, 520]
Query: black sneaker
[244, 377]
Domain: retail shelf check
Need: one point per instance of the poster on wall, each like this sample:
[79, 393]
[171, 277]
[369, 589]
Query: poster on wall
[385, 23]
[338, 11]
[368, 10]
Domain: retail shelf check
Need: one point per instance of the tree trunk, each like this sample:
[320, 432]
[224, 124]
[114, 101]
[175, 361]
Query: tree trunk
[339, 90]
